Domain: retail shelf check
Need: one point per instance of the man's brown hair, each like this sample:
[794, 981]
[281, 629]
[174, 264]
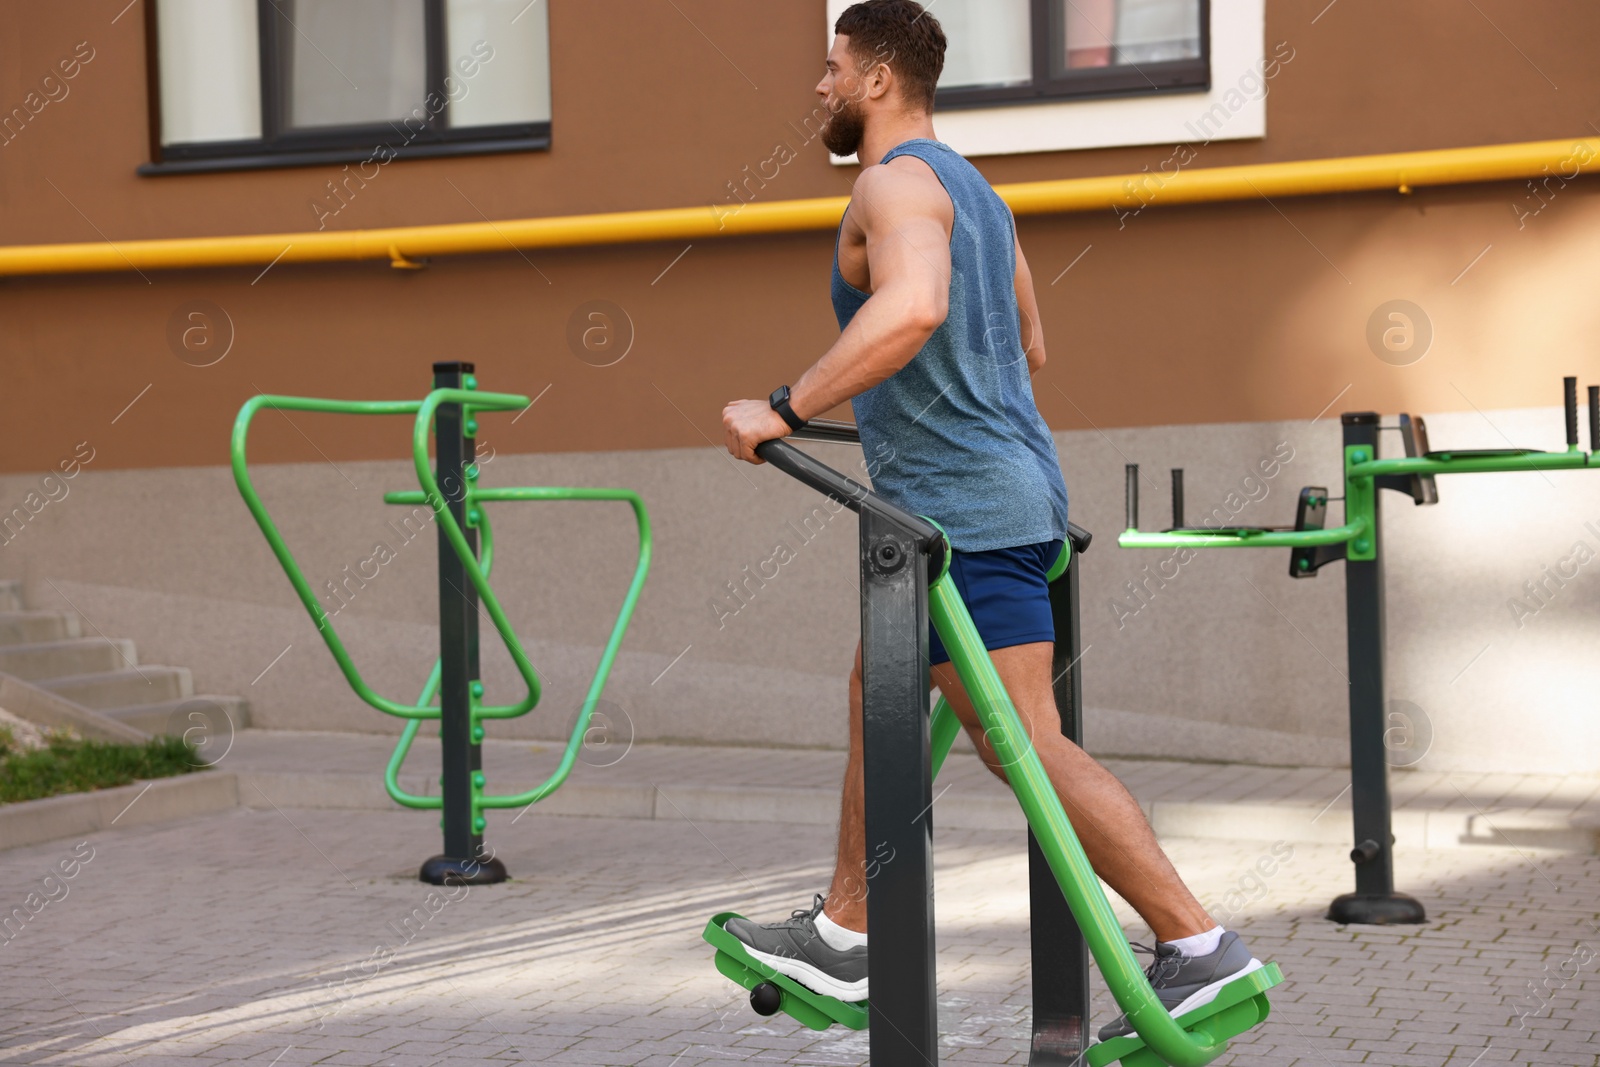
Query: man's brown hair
[902, 34]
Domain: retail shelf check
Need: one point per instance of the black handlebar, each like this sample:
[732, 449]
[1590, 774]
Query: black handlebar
[828, 431]
[1594, 418]
[846, 490]
[857, 497]
[1572, 411]
[1131, 496]
[1080, 538]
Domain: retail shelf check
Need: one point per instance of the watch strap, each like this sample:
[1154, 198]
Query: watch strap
[780, 403]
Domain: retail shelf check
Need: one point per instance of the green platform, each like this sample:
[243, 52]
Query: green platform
[1240, 1005]
[813, 1009]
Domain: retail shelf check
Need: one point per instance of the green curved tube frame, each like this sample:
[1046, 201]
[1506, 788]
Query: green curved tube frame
[1063, 561]
[477, 572]
[1360, 472]
[1444, 463]
[943, 726]
[1062, 849]
[1160, 1039]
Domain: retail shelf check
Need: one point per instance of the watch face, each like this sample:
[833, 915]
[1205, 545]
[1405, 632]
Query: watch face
[780, 403]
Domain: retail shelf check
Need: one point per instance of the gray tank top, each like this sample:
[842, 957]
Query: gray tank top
[955, 434]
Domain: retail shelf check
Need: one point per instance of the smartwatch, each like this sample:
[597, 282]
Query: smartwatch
[780, 403]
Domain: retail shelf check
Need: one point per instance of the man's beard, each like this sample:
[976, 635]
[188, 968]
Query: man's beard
[845, 129]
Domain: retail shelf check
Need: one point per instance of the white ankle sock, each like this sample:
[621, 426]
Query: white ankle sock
[1199, 944]
[837, 937]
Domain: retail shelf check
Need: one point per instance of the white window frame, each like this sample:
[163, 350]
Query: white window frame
[1238, 55]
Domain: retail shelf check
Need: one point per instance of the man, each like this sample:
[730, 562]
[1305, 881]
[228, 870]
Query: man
[940, 333]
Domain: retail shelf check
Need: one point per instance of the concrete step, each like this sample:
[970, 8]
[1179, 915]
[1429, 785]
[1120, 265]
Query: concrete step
[209, 721]
[10, 595]
[52, 711]
[31, 627]
[56, 659]
[124, 688]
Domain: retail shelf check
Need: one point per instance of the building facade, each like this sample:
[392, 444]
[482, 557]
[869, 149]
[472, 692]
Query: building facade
[1222, 338]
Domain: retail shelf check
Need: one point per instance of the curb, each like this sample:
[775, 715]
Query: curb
[31, 822]
[692, 802]
[1412, 829]
[34, 821]
[688, 802]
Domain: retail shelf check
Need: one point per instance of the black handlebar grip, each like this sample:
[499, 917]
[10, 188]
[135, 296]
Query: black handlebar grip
[1132, 496]
[1594, 418]
[1080, 537]
[1177, 498]
[1572, 411]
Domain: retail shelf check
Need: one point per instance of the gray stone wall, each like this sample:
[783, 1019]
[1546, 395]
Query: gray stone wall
[1221, 656]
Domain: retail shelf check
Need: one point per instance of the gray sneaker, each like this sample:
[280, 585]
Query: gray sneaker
[1184, 983]
[796, 950]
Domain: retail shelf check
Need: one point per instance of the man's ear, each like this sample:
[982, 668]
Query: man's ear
[879, 81]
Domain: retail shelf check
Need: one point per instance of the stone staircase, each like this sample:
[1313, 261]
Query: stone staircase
[103, 675]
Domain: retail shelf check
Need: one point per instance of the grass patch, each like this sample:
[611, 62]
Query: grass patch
[74, 765]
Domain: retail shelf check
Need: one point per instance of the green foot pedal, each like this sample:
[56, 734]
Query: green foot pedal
[771, 992]
[1240, 1005]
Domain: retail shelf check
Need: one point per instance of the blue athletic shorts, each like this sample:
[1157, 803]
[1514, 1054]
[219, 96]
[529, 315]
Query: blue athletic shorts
[1006, 593]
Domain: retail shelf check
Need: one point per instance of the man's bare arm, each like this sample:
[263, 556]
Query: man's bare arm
[906, 217]
[1028, 305]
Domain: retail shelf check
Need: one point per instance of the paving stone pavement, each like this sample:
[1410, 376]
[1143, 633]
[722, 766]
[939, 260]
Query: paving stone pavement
[283, 936]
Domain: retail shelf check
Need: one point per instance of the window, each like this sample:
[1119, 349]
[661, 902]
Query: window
[1228, 100]
[253, 83]
[1018, 51]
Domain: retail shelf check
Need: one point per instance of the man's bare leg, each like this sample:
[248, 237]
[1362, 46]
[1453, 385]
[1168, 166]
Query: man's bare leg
[1115, 834]
[847, 896]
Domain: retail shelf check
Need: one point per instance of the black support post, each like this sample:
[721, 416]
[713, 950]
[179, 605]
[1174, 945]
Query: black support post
[1060, 954]
[1375, 901]
[1594, 418]
[464, 859]
[899, 793]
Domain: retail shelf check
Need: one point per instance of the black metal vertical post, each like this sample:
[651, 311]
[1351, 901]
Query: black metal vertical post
[1594, 418]
[899, 795]
[1375, 900]
[1060, 954]
[463, 859]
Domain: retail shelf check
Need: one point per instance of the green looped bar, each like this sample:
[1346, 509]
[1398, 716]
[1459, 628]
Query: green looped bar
[477, 566]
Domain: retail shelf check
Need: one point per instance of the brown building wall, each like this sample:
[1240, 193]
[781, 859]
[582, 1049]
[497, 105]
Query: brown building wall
[1236, 312]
